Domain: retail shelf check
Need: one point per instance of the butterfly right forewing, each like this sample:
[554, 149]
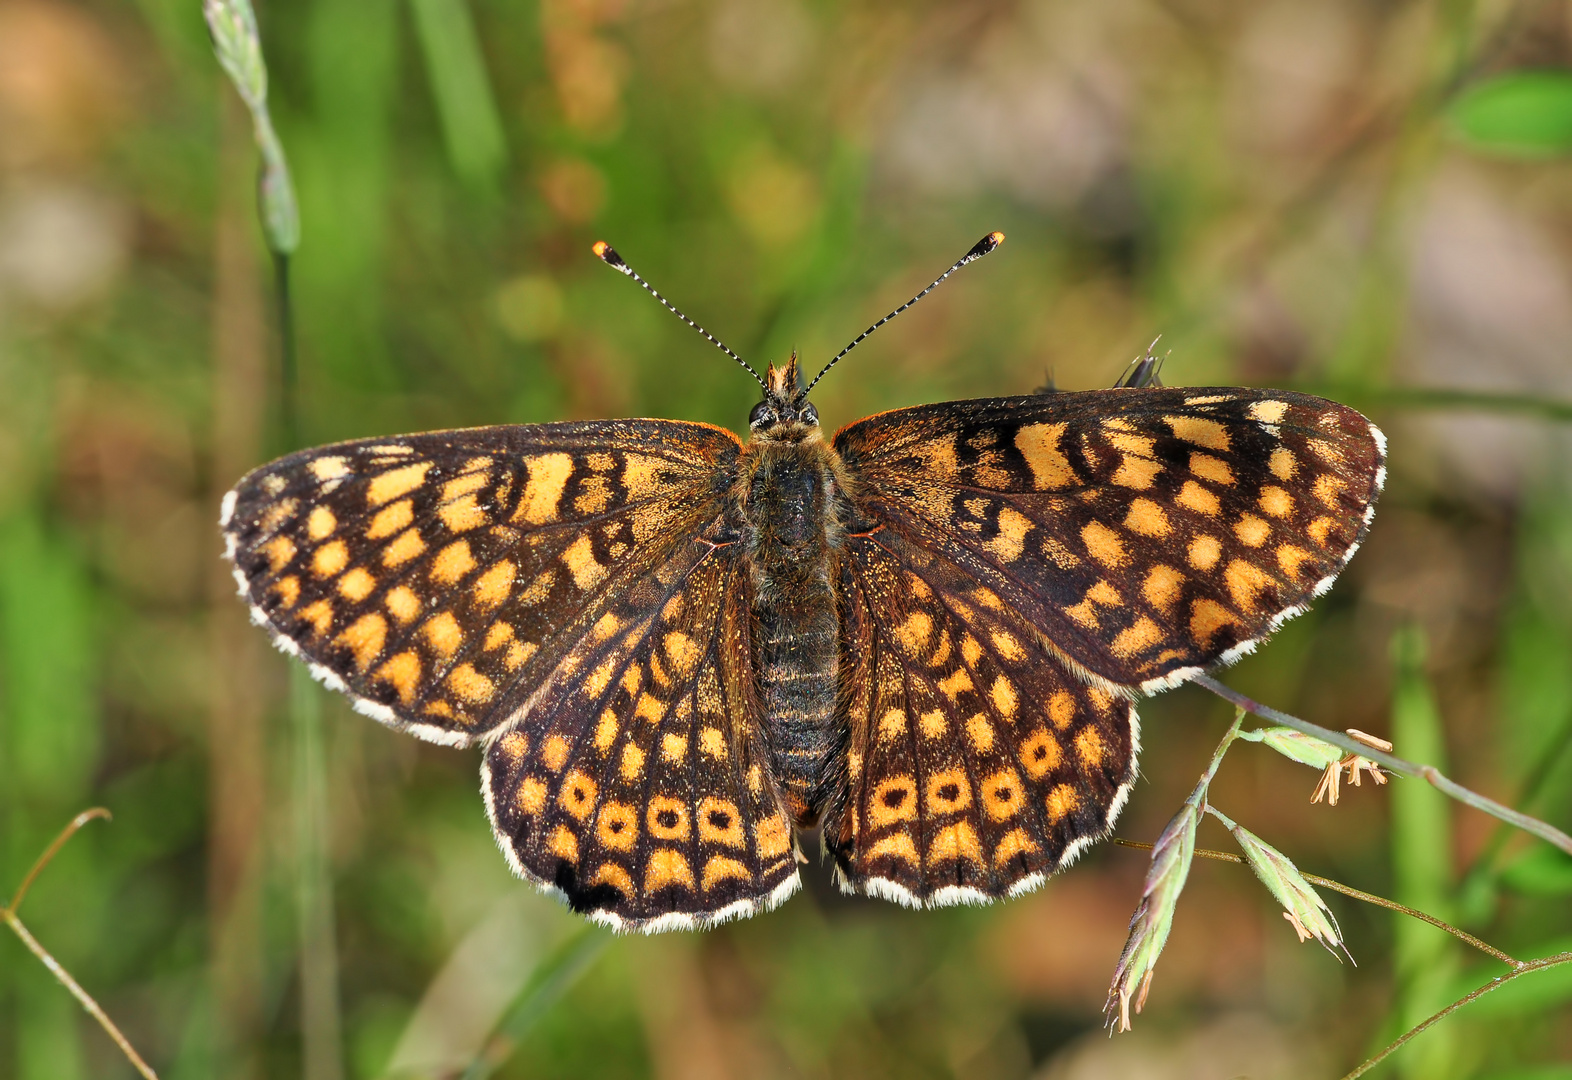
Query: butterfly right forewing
[1145, 533]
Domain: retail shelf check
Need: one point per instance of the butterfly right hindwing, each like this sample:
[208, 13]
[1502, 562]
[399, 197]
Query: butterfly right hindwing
[977, 764]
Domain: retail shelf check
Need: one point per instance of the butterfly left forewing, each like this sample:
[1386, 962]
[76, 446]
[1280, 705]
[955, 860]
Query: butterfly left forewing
[1144, 533]
[440, 579]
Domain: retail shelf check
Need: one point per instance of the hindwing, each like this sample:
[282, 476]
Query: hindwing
[640, 788]
[977, 763]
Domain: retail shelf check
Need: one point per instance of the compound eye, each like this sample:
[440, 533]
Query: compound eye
[809, 415]
[763, 415]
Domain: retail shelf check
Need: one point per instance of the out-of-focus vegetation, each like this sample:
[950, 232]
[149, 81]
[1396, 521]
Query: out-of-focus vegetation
[1350, 198]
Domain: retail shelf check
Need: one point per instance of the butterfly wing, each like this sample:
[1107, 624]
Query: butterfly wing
[440, 579]
[640, 788]
[1144, 534]
[977, 763]
[569, 594]
[1016, 568]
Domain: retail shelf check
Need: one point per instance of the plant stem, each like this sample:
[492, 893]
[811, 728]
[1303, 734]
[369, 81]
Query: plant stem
[1430, 773]
[8, 913]
[1522, 968]
[49, 853]
[82, 996]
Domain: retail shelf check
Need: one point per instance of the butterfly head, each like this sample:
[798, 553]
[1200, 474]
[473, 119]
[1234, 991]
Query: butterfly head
[785, 412]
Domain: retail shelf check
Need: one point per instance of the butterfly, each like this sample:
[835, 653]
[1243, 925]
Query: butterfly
[924, 635]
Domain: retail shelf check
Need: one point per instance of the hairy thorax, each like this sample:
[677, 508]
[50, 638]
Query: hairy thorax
[791, 497]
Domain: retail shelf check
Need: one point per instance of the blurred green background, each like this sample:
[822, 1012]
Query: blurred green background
[1351, 198]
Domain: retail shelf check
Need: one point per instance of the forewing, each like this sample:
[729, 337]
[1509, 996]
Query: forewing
[978, 764]
[1144, 533]
[639, 788]
[440, 579]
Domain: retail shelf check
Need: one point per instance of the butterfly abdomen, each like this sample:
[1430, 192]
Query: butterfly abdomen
[790, 510]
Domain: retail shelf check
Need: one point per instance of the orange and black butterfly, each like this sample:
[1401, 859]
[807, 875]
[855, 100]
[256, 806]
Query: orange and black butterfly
[925, 634]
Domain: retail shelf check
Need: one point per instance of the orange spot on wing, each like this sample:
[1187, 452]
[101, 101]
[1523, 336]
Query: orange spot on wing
[365, 637]
[1040, 754]
[402, 672]
[443, 634]
[357, 584]
[954, 843]
[1136, 639]
[462, 514]
[1015, 842]
[720, 868]
[1206, 618]
[1039, 445]
[1090, 748]
[1103, 544]
[390, 485]
[452, 563]
[1061, 802]
[1162, 587]
[404, 547]
[329, 559]
[554, 752]
[1147, 518]
[1195, 497]
[493, 587]
[319, 615]
[1199, 431]
[899, 846]
[616, 877]
[618, 826]
[471, 685]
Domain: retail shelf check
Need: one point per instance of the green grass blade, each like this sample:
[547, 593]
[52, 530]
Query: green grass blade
[1425, 958]
[555, 977]
[471, 124]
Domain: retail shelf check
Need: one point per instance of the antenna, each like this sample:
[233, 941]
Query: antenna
[981, 248]
[608, 255]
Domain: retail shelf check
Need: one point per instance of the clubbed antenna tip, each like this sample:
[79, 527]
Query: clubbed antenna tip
[608, 255]
[978, 250]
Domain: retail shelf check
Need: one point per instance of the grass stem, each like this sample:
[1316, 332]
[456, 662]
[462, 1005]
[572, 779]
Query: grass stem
[1430, 773]
[9, 914]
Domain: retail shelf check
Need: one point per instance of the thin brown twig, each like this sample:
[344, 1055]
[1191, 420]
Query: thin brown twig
[1357, 894]
[77, 992]
[1544, 830]
[49, 852]
[1499, 981]
[8, 913]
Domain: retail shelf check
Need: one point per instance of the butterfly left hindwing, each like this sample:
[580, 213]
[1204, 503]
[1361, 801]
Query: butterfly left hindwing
[640, 788]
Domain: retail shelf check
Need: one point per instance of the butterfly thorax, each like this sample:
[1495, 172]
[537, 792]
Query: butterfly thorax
[791, 504]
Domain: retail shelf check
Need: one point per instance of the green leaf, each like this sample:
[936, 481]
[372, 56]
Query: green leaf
[1542, 871]
[1521, 114]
